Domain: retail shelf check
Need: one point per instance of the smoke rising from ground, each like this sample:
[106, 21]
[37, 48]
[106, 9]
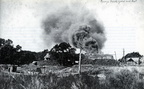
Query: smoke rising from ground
[63, 24]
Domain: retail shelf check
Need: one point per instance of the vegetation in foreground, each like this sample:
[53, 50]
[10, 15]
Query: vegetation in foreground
[123, 79]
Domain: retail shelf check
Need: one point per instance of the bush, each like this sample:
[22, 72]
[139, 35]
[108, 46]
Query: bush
[103, 62]
[106, 62]
[122, 80]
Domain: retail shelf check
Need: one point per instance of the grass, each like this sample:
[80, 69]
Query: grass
[121, 79]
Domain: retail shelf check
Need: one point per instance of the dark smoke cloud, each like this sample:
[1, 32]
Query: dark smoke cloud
[68, 22]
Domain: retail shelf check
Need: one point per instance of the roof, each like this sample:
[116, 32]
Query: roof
[131, 60]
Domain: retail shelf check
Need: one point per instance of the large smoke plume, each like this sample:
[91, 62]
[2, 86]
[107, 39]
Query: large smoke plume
[76, 25]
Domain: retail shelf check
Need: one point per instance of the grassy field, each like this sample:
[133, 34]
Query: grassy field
[92, 77]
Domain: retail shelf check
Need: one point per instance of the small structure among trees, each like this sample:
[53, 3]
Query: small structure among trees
[132, 58]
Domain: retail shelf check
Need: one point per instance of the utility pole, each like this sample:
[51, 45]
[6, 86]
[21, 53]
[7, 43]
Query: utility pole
[115, 55]
[124, 55]
[123, 52]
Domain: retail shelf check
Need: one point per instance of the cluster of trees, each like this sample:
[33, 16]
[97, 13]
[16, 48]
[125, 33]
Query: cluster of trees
[14, 55]
[63, 53]
[133, 54]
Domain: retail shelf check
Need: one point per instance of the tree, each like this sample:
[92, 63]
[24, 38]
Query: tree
[18, 48]
[2, 42]
[14, 55]
[7, 53]
[54, 53]
[9, 42]
[64, 54]
[79, 38]
[64, 46]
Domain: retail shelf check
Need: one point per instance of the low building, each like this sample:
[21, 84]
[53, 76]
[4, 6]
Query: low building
[8, 68]
[100, 56]
[131, 62]
[47, 56]
[133, 58]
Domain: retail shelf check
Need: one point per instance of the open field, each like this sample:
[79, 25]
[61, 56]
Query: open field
[92, 77]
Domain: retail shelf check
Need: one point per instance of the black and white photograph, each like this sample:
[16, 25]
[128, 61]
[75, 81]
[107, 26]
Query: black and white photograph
[71, 44]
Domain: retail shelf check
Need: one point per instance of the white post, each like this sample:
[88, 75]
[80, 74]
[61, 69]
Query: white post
[79, 70]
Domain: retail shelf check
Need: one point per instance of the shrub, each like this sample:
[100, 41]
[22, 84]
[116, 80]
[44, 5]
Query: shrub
[122, 80]
[106, 62]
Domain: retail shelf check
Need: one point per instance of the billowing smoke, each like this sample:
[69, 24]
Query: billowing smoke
[76, 25]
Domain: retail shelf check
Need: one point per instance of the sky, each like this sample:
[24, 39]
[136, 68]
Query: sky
[20, 21]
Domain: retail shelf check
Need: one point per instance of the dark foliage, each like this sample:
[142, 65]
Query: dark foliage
[40, 55]
[133, 54]
[14, 55]
[64, 54]
[108, 62]
[24, 57]
[103, 62]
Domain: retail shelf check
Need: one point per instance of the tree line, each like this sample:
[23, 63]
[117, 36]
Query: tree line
[63, 53]
[14, 55]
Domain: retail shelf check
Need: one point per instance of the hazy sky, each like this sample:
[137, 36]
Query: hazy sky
[20, 20]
